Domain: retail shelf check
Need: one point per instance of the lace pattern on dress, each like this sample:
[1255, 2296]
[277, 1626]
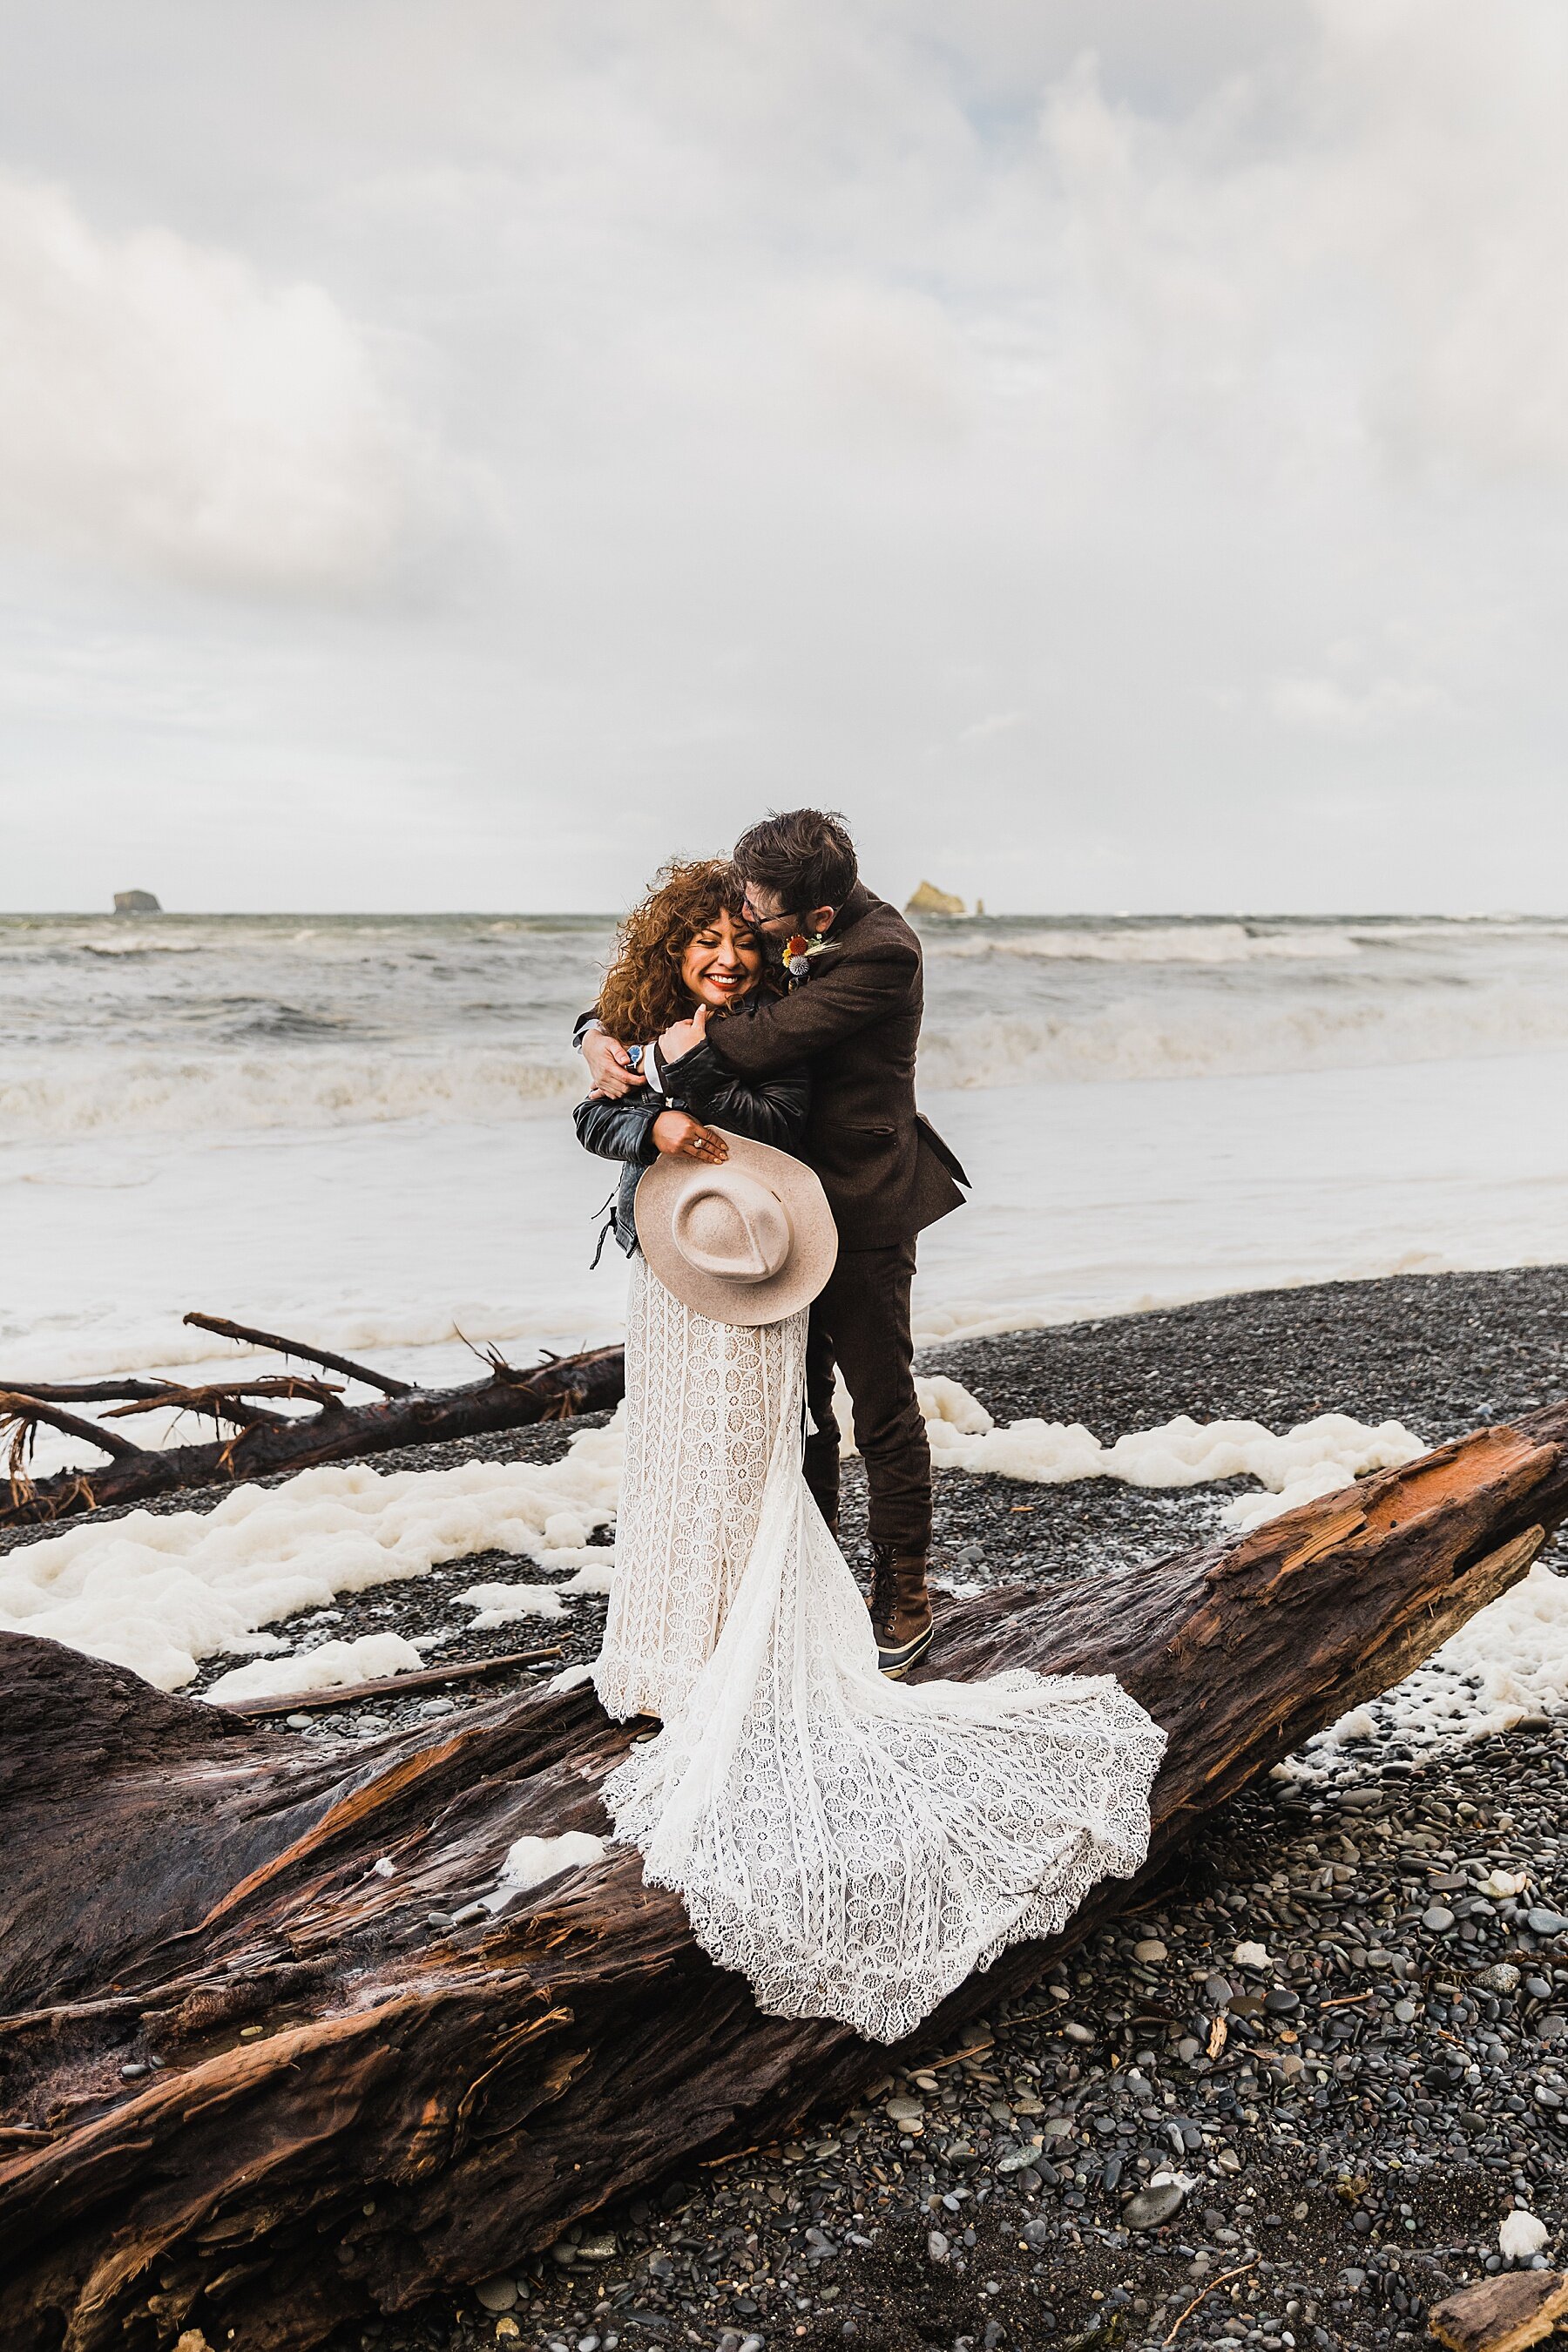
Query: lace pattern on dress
[855, 1847]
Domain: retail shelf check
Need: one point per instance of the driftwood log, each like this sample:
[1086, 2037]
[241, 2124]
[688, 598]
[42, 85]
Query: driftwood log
[266, 1440]
[356, 2095]
[1505, 2313]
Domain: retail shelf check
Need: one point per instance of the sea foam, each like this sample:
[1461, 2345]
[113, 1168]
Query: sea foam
[1196, 943]
[159, 1593]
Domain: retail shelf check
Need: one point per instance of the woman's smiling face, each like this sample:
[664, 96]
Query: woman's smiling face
[721, 962]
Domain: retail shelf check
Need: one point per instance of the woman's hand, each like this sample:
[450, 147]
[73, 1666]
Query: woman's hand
[681, 1036]
[677, 1133]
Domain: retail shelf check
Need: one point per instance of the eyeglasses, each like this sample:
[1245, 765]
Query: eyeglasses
[762, 922]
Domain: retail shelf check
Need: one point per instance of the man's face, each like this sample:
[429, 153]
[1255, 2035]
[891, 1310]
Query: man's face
[772, 921]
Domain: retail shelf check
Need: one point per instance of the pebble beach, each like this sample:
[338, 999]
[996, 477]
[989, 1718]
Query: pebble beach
[1293, 2100]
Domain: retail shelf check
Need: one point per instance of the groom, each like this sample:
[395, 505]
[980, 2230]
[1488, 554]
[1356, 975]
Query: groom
[853, 1012]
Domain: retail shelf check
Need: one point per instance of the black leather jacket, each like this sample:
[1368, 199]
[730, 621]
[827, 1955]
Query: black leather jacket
[772, 1110]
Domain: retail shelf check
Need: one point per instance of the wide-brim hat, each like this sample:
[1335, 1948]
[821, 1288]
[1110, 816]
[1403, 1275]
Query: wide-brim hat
[749, 1241]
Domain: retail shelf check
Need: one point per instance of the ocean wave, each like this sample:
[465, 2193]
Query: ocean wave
[231, 1093]
[272, 1077]
[1141, 1039]
[1203, 943]
[139, 947]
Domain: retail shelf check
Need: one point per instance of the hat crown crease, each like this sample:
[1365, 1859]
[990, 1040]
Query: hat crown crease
[730, 1224]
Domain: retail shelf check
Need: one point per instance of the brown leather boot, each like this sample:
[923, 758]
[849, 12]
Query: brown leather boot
[900, 1609]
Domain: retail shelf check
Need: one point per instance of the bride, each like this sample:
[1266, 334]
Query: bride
[856, 1846]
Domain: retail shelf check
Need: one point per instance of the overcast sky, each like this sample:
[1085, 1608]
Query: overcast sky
[451, 455]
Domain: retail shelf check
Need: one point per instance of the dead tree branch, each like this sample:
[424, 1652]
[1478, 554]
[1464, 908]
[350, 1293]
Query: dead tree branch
[269, 1442]
[228, 1330]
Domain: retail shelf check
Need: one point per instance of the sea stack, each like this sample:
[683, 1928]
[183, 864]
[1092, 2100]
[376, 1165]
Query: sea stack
[136, 902]
[929, 900]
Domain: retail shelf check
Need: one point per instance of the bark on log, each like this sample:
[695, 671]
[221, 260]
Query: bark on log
[1503, 2314]
[426, 2102]
[507, 1399]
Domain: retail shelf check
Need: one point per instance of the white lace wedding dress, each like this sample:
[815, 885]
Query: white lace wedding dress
[853, 1846]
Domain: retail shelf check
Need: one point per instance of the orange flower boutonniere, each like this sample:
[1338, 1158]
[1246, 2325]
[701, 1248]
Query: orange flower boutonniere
[798, 951]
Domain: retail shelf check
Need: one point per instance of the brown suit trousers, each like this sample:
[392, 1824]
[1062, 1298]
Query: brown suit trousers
[861, 1322]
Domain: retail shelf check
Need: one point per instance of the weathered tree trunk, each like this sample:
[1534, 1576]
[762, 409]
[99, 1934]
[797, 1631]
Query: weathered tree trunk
[1504, 2314]
[424, 2101]
[404, 1416]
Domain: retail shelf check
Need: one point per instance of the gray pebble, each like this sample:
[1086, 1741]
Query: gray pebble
[497, 2293]
[937, 2245]
[1151, 2206]
[1439, 1919]
[1546, 1923]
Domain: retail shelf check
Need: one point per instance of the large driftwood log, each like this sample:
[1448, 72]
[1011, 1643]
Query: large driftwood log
[1505, 2313]
[268, 1441]
[426, 2101]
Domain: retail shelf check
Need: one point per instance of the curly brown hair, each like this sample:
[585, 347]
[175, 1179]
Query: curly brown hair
[643, 993]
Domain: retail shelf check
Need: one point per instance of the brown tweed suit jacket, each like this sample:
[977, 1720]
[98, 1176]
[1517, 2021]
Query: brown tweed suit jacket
[855, 1021]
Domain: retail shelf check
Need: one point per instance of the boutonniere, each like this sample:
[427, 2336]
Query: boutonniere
[799, 952]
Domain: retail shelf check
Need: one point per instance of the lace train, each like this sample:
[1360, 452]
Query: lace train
[855, 1847]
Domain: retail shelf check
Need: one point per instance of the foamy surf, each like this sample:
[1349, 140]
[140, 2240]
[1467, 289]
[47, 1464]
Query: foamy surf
[214, 1026]
[285, 1087]
[1138, 943]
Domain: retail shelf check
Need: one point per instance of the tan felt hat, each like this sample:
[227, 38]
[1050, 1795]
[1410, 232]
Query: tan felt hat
[747, 1242]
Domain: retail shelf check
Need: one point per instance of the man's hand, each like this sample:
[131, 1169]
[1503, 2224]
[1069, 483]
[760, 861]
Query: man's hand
[681, 1036]
[608, 1067]
[677, 1133]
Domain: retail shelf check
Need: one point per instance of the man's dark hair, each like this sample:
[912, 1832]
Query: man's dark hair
[804, 854]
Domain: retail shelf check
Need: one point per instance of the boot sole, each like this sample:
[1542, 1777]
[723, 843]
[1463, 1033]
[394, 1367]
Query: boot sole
[896, 1664]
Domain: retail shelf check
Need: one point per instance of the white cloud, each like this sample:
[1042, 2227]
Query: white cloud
[1330, 705]
[845, 380]
[161, 406]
